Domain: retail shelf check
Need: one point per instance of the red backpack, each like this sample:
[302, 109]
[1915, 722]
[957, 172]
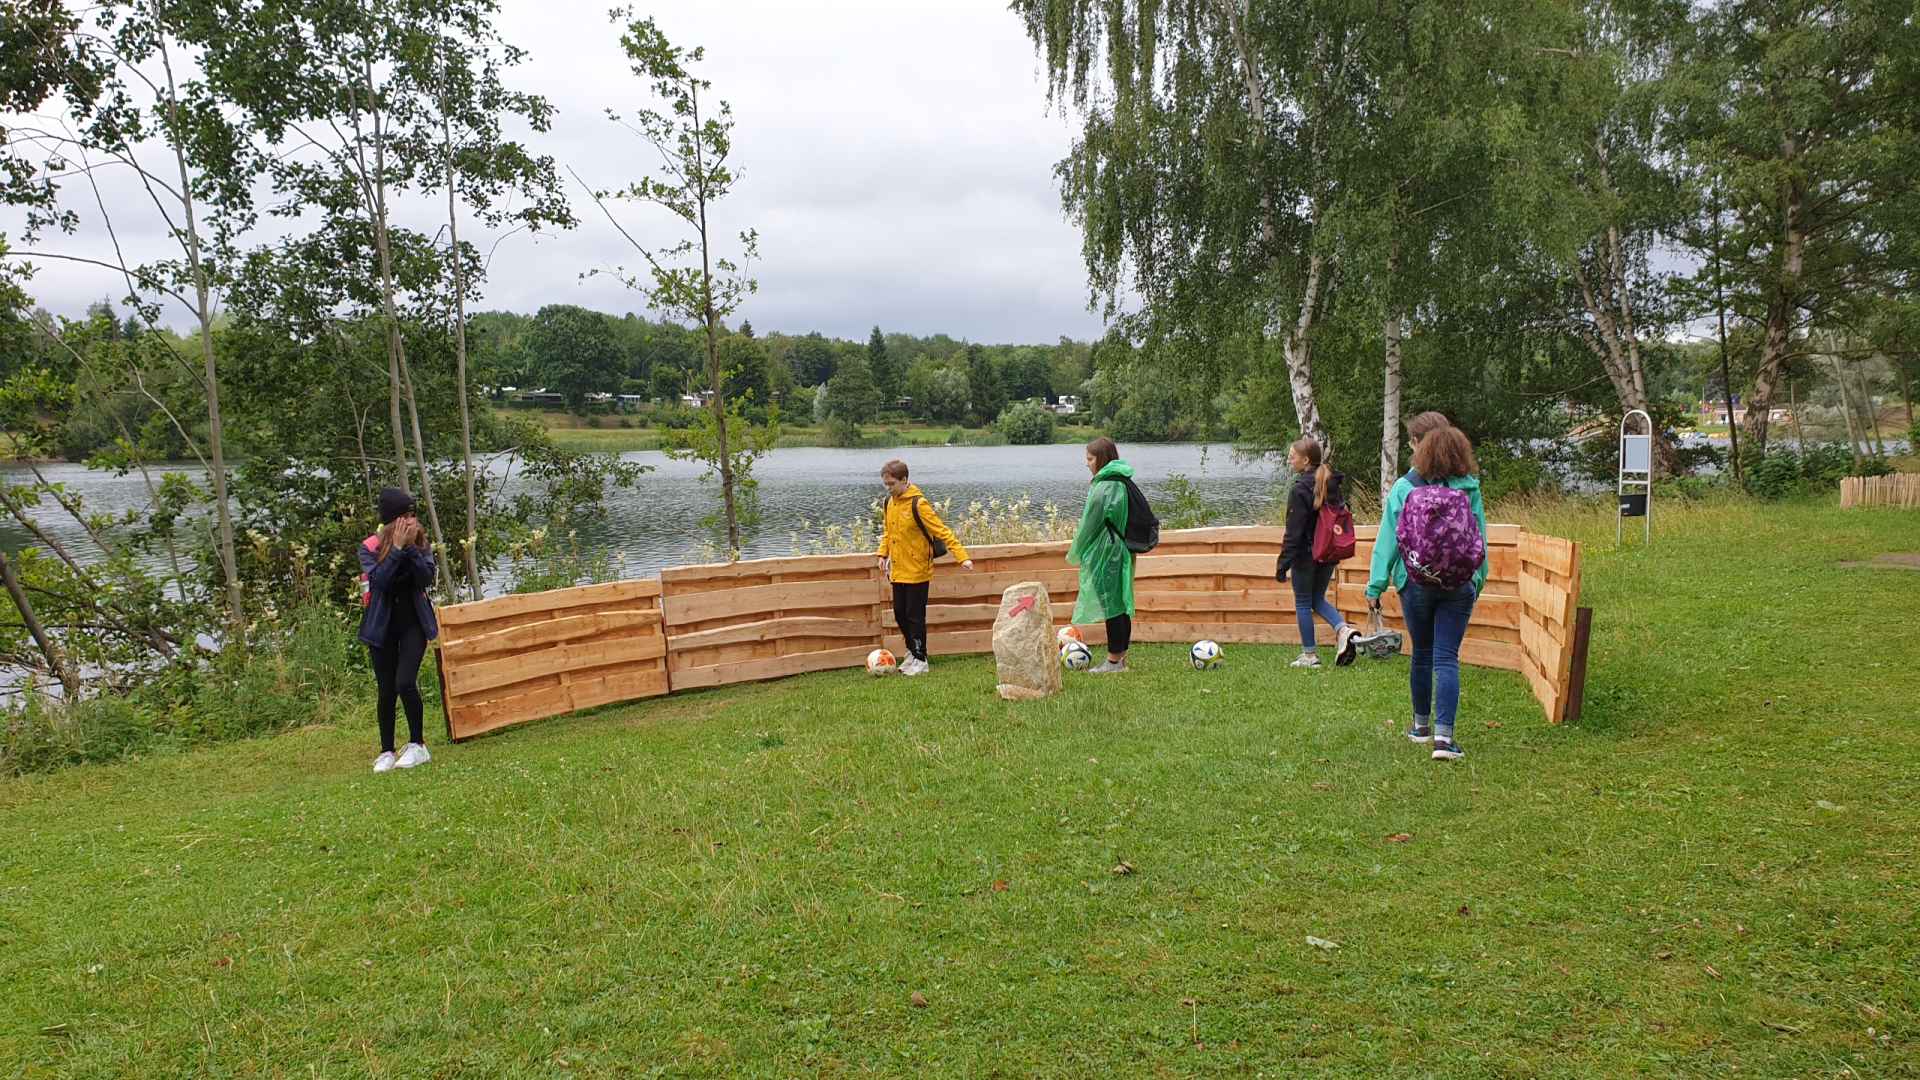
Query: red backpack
[1333, 534]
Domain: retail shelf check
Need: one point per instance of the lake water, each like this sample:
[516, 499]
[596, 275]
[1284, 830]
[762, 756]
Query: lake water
[658, 522]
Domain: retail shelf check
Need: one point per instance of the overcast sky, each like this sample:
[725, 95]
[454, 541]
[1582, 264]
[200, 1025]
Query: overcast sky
[896, 157]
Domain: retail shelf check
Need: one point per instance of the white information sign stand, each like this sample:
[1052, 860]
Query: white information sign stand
[1635, 486]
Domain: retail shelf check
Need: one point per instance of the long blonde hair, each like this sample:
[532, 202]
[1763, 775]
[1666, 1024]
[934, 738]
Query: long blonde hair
[386, 539]
[1317, 461]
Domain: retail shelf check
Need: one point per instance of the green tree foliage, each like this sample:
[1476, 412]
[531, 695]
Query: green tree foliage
[881, 364]
[573, 351]
[851, 394]
[1026, 423]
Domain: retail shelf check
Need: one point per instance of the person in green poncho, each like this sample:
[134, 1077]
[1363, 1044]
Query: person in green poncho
[1106, 566]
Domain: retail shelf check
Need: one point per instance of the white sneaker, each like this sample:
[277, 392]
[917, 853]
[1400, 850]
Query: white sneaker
[914, 666]
[384, 762]
[1306, 659]
[412, 754]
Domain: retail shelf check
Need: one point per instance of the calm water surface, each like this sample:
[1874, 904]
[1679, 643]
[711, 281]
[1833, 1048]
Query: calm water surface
[658, 522]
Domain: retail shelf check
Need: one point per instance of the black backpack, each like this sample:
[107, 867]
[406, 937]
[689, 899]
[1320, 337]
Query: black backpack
[938, 546]
[1143, 527]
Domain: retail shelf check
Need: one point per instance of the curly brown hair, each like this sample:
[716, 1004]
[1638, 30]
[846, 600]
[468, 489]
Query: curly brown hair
[1443, 454]
[1426, 423]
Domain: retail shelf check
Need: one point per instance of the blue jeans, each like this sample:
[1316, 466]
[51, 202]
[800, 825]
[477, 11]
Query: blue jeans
[1310, 597]
[1437, 621]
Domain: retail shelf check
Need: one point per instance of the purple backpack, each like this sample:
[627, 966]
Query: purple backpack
[1439, 537]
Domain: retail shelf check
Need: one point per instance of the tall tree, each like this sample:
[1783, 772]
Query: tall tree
[884, 375]
[125, 92]
[1802, 115]
[1215, 139]
[694, 140]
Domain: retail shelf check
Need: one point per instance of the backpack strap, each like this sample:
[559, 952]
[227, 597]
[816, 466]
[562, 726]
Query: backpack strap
[923, 525]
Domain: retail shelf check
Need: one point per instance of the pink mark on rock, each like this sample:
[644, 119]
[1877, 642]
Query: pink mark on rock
[1020, 606]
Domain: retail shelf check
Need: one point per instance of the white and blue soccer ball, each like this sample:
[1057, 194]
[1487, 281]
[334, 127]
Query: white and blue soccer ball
[1204, 655]
[1075, 656]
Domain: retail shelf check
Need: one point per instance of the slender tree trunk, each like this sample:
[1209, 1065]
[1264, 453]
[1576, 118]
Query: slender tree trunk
[377, 210]
[48, 649]
[1390, 396]
[471, 538]
[1296, 347]
[223, 513]
[1793, 416]
[1873, 413]
[1781, 306]
[713, 349]
[1846, 410]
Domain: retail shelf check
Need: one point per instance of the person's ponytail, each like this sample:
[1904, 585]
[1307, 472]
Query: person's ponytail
[1320, 478]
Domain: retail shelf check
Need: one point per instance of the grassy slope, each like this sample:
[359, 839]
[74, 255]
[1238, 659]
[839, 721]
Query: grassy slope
[1713, 870]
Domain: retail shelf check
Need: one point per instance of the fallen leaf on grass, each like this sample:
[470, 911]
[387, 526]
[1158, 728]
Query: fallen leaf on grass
[1322, 943]
[1188, 1002]
[1465, 911]
[1790, 1029]
[1825, 805]
[60, 1031]
[1663, 954]
[917, 999]
[1493, 723]
[1741, 930]
[1322, 785]
[1562, 969]
[225, 961]
[1399, 837]
[1123, 869]
[1871, 1013]
[1711, 970]
[1000, 886]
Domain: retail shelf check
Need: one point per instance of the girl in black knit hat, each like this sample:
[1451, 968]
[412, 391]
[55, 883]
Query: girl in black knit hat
[398, 621]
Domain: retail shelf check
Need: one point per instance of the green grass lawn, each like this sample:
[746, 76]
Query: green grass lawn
[1713, 873]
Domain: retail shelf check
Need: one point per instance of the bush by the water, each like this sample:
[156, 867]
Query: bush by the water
[1027, 423]
[1783, 472]
[305, 667]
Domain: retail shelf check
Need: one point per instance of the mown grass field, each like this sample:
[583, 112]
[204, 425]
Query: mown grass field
[1712, 874]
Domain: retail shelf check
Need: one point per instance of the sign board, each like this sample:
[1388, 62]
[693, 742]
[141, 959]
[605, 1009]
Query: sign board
[1635, 485]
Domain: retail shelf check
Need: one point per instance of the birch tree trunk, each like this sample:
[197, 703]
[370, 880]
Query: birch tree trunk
[469, 541]
[1390, 394]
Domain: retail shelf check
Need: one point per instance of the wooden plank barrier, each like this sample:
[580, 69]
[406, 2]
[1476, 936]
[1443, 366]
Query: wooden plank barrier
[517, 658]
[1550, 598]
[1898, 489]
[766, 618]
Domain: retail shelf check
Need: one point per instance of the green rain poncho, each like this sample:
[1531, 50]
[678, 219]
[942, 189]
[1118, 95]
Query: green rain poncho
[1106, 566]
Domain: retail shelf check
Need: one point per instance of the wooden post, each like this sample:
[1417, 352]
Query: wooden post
[440, 672]
[1577, 672]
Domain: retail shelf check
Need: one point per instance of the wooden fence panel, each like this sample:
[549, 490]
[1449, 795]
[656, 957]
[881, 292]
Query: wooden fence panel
[1550, 598]
[768, 618]
[519, 658]
[1898, 489]
[525, 657]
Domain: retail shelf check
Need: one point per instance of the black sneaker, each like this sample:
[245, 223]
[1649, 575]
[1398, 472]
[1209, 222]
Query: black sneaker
[1443, 750]
[1420, 734]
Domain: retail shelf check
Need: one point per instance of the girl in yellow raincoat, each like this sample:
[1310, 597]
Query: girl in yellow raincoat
[1106, 565]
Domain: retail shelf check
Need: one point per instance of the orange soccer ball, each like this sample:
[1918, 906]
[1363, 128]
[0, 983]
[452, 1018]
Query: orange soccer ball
[880, 662]
[1068, 633]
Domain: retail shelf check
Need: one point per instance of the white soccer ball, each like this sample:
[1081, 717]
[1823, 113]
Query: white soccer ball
[880, 662]
[1204, 655]
[1075, 656]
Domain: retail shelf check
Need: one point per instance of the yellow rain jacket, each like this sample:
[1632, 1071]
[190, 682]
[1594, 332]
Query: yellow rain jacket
[902, 542]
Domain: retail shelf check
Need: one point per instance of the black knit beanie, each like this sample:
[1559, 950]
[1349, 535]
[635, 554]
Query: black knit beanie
[394, 503]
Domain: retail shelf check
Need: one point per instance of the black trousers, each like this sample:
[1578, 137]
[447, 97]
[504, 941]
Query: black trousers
[910, 611]
[1119, 634]
[396, 668]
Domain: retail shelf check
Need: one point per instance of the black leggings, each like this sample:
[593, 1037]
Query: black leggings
[1119, 634]
[396, 667]
[910, 611]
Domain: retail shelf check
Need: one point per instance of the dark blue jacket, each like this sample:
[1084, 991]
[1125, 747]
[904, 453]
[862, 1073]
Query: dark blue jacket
[404, 571]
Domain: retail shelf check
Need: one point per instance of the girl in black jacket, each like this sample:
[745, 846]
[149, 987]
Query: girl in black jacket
[1315, 485]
